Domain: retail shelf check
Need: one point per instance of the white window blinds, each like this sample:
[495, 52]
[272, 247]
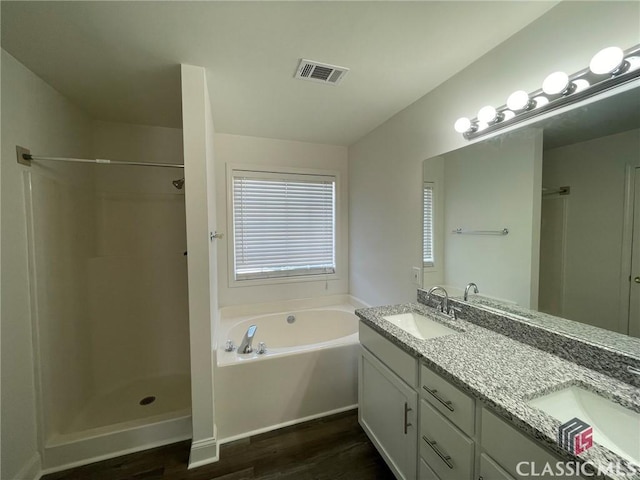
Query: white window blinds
[427, 225]
[283, 224]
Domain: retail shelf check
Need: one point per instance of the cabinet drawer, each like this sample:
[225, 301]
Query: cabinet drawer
[425, 472]
[447, 450]
[448, 400]
[490, 470]
[508, 447]
[402, 364]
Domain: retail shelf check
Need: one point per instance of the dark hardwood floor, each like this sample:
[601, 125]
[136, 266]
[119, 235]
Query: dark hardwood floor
[331, 448]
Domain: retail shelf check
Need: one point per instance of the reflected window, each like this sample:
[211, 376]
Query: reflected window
[427, 224]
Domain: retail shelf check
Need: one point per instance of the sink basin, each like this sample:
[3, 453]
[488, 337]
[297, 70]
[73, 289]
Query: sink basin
[614, 426]
[419, 326]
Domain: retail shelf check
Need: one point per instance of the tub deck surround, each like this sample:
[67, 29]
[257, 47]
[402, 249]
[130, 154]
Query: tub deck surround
[314, 328]
[310, 368]
[607, 352]
[505, 374]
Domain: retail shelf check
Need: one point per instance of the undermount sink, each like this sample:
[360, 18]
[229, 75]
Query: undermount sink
[419, 326]
[614, 426]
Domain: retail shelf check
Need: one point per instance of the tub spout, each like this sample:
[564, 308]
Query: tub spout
[247, 340]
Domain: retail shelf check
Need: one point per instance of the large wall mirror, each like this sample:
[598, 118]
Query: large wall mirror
[546, 217]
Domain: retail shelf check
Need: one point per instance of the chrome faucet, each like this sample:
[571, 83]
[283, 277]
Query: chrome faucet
[444, 303]
[245, 345]
[466, 290]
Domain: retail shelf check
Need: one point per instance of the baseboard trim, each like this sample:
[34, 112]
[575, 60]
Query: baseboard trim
[32, 470]
[204, 452]
[288, 423]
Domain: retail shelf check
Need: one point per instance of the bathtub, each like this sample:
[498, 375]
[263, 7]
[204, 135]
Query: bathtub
[310, 368]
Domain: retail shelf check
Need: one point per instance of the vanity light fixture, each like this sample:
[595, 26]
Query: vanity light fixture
[488, 115]
[519, 100]
[608, 68]
[608, 60]
[462, 125]
[557, 83]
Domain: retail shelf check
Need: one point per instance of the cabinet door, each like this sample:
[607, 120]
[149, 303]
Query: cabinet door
[510, 448]
[388, 414]
[490, 470]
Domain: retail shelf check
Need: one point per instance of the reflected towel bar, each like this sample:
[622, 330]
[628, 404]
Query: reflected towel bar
[460, 231]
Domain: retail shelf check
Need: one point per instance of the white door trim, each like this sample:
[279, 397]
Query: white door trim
[627, 243]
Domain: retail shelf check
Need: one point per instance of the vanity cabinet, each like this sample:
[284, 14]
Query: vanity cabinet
[388, 405]
[447, 426]
[504, 448]
[427, 428]
[490, 470]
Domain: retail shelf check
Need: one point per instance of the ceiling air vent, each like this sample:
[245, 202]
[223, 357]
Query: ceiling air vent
[320, 72]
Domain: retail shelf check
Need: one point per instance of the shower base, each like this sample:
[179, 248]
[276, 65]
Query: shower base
[145, 414]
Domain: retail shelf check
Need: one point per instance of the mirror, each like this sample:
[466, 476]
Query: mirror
[544, 217]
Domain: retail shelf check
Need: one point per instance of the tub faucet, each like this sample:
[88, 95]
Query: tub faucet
[245, 345]
[466, 290]
[444, 303]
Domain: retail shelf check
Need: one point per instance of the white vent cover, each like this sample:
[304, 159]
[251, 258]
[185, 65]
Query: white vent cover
[320, 72]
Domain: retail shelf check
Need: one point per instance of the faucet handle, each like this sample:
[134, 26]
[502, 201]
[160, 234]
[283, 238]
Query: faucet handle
[262, 348]
[229, 346]
[454, 311]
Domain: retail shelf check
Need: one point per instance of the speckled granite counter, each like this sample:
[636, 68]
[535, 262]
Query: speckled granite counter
[504, 374]
[597, 349]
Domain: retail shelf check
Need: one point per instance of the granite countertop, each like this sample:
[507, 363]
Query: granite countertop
[504, 374]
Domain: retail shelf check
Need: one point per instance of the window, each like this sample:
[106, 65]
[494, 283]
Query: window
[427, 225]
[283, 224]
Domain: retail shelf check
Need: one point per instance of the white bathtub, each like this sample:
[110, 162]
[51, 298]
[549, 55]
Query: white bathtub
[310, 368]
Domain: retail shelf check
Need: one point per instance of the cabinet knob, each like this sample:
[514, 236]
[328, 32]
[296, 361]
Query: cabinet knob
[637, 279]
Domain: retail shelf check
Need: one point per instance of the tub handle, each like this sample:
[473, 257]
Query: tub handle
[262, 348]
[406, 417]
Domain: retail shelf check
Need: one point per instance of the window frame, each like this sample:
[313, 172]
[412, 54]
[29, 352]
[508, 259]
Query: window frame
[231, 169]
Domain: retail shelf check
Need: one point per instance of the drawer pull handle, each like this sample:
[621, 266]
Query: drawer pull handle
[434, 394]
[445, 458]
[406, 417]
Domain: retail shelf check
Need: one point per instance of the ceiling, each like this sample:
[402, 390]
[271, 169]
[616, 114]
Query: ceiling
[119, 60]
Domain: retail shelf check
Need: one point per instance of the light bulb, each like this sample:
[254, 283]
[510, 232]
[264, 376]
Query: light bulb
[581, 84]
[518, 100]
[540, 101]
[634, 63]
[607, 60]
[508, 115]
[555, 83]
[462, 125]
[487, 114]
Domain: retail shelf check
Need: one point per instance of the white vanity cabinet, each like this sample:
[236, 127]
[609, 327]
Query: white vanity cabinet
[447, 427]
[388, 402]
[426, 428]
[509, 454]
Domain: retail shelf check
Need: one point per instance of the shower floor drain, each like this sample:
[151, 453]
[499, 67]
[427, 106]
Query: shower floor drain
[148, 400]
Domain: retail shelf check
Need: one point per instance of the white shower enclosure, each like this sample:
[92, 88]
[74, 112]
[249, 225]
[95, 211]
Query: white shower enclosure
[110, 311]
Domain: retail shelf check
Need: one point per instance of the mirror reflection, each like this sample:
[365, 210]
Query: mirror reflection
[544, 217]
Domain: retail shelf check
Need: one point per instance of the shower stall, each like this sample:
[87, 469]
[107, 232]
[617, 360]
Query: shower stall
[109, 293]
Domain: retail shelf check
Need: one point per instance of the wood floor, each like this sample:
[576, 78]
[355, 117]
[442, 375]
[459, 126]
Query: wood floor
[331, 448]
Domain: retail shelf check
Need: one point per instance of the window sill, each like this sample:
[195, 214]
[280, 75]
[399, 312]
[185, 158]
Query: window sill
[283, 280]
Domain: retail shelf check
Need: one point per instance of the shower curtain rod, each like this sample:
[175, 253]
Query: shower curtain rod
[26, 158]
